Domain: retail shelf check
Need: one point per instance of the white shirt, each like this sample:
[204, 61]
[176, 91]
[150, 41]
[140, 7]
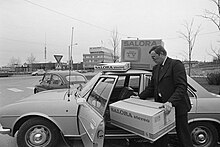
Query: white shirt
[164, 61]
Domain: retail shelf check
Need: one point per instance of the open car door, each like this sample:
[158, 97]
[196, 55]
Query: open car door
[91, 112]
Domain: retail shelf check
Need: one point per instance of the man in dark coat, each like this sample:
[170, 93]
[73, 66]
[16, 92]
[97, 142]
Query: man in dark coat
[169, 86]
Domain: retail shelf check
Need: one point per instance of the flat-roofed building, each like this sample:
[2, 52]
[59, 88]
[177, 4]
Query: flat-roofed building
[97, 55]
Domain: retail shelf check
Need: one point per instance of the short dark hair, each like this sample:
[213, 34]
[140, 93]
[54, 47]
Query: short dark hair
[158, 49]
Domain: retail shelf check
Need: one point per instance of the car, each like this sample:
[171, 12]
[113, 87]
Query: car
[60, 80]
[38, 72]
[39, 120]
[5, 73]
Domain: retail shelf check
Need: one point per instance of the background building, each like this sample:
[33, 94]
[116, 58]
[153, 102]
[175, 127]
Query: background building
[97, 55]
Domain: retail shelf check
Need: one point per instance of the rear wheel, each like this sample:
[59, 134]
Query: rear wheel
[203, 134]
[38, 132]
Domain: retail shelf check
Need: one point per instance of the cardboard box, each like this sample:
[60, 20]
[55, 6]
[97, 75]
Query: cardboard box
[142, 117]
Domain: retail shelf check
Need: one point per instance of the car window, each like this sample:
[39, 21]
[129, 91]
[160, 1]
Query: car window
[147, 79]
[134, 82]
[75, 78]
[120, 82]
[56, 80]
[89, 85]
[46, 78]
[100, 94]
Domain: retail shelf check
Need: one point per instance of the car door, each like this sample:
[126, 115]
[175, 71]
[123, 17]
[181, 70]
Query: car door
[45, 83]
[91, 112]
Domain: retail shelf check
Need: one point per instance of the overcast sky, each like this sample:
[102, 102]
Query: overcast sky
[26, 25]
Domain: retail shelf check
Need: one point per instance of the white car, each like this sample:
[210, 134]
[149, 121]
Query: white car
[38, 72]
[42, 118]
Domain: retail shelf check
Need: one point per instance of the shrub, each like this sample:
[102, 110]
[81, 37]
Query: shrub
[213, 78]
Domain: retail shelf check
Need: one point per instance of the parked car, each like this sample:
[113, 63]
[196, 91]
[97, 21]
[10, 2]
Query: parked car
[60, 80]
[5, 74]
[38, 72]
[41, 119]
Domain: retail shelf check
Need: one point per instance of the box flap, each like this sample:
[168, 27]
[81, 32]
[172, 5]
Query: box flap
[135, 107]
[144, 103]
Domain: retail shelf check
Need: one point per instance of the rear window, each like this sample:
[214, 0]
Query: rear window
[75, 78]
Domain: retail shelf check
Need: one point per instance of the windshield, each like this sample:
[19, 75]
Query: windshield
[90, 84]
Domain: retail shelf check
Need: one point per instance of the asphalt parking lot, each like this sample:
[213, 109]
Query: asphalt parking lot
[7, 141]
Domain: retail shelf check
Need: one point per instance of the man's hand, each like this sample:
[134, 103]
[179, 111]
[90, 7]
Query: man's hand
[167, 107]
[135, 97]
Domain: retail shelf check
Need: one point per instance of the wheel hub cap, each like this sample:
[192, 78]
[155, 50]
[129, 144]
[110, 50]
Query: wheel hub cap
[200, 136]
[38, 136]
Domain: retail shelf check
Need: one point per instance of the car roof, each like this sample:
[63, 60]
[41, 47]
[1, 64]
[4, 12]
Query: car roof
[130, 71]
[64, 72]
[200, 91]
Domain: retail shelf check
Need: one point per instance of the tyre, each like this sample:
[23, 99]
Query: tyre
[38, 132]
[35, 91]
[203, 134]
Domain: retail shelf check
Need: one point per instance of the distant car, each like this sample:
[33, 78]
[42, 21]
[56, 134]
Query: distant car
[39, 72]
[41, 119]
[5, 74]
[60, 80]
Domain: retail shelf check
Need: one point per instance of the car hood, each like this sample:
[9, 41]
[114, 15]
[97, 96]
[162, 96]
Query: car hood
[51, 95]
[48, 103]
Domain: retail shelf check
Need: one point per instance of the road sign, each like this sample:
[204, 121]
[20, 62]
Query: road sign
[58, 58]
[58, 66]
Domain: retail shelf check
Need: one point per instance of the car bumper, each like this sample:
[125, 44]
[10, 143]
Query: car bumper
[4, 131]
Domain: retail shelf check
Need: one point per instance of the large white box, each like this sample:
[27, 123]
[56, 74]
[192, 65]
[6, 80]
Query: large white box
[142, 117]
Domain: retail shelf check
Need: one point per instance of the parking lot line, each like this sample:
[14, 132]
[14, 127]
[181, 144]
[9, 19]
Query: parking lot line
[30, 88]
[15, 90]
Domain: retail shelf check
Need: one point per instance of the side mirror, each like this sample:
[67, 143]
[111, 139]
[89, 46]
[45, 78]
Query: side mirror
[81, 101]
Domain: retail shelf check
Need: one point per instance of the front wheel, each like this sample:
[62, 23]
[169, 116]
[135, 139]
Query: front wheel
[203, 134]
[38, 132]
[35, 91]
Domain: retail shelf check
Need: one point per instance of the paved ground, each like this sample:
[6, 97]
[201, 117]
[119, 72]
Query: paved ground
[7, 141]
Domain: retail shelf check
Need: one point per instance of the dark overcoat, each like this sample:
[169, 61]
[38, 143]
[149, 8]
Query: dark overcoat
[169, 83]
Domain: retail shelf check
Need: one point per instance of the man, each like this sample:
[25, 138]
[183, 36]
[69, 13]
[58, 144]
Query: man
[169, 86]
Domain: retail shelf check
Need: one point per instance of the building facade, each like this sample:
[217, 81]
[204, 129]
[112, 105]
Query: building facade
[97, 55]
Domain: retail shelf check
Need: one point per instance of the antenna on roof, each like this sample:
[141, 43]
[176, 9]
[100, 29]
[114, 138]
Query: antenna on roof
[70, 60]
[69, 75]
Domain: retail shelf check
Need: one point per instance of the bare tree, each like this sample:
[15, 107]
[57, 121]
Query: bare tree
[213, 16]
[31, 59]
[216, 56]
[190, 36]
[115, 41]
[13, 62]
